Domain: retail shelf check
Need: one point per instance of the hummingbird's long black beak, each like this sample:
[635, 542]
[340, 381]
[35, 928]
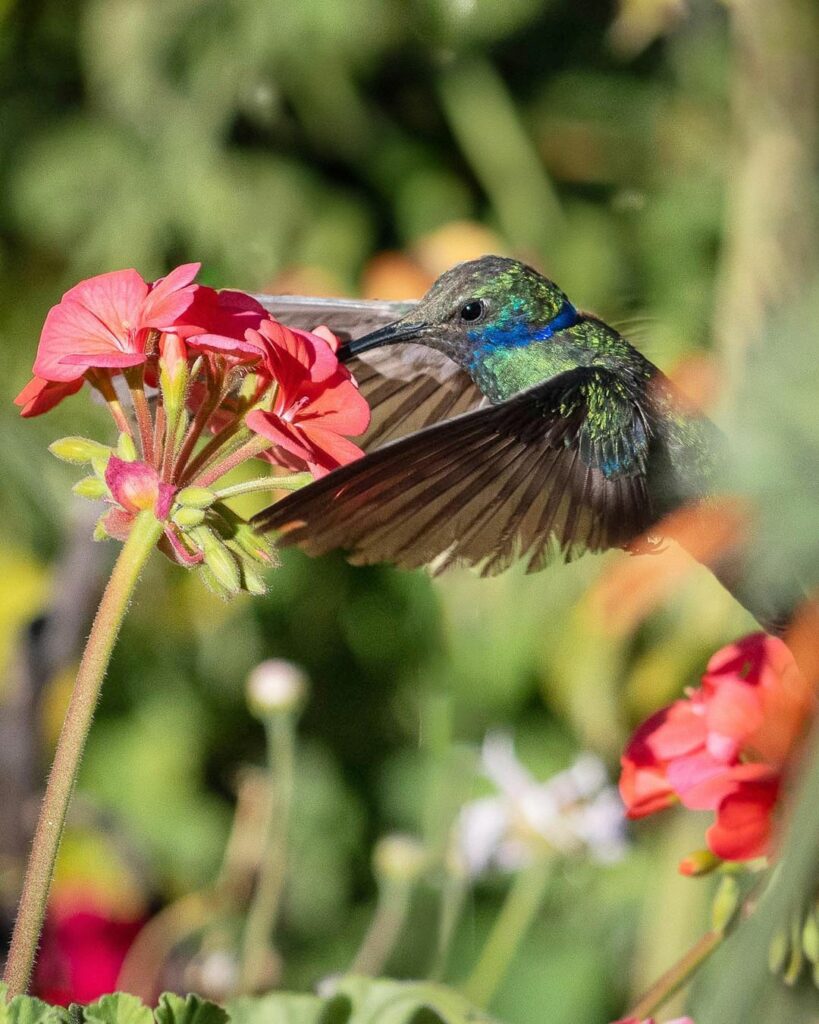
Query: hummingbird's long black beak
[391, 334]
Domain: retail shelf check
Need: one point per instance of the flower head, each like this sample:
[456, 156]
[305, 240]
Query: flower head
[315, 404]
[105, 322]
[218, 383]
[724, 747]
[572, 812]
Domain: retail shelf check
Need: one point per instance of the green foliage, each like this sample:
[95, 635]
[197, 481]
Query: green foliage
[355, 1001]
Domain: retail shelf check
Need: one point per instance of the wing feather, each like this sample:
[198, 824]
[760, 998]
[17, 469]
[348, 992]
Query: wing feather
[537, 476]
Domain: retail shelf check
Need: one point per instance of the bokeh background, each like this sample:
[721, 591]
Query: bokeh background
[658, 159]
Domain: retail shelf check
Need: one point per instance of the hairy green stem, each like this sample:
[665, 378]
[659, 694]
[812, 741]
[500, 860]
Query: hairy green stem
[513, 922]
[40, 868]
[265, 483]
[257, 944]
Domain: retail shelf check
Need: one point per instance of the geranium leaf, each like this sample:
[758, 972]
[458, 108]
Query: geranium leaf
[276, 1008]
[173, 1009]
[28, 1010]
[368, 1001]
[118, 1008]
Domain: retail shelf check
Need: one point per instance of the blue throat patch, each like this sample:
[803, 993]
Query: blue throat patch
[521, 333]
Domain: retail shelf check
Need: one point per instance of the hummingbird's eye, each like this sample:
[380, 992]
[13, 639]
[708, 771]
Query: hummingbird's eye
[473, 310]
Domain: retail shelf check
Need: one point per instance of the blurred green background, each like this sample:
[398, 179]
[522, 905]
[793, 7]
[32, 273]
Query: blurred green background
[657, 158]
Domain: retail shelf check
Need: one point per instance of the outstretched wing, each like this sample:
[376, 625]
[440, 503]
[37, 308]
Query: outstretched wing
[558, 469]
[407, 387]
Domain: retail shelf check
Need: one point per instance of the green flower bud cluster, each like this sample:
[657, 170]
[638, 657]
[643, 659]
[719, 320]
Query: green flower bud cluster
[204, 532]
[794, 949]
[234, 554]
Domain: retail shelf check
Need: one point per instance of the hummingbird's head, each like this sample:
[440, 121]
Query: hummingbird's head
[475, 307]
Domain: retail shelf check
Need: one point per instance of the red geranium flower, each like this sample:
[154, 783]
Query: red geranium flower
[105, 321]
[82, 950]
[218, 322]
[316, 402]
[725, 746]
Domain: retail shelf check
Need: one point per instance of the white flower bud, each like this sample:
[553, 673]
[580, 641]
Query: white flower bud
[276, 686]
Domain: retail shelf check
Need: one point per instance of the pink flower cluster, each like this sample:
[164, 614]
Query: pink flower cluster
[725, 747]
[302, 399]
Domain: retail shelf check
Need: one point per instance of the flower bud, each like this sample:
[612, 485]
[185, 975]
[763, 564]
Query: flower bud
[810, 937]
[90, 487]
[213, 585]
[796, 961]
[188, 518]
[274, 687]
[252, 581]
[254, 544]
[196, 497]
[100, 532]
[399, 858]
[78, 450]
[726, 904]
[219, 560]
[173, 373]
[699, 862]
[778, 951]
[126, 449]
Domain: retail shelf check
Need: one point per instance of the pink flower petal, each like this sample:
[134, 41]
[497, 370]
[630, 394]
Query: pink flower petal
[169, 297]
[39, 396]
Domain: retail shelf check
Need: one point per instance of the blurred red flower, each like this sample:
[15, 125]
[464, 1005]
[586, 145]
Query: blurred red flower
[104, 322]
[725, 746]
[315, 404]
[81, 952]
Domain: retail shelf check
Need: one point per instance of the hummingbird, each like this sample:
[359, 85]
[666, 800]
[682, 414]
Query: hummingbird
[506, 424]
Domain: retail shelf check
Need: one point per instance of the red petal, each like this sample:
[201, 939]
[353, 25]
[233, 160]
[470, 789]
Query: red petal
[38, 396]
[169, 297]
[744, 824]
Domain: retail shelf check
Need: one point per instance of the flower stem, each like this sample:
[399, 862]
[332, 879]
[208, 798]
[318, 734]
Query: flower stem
[136, 386]
[516, 916]
[145, 533]
[265, 483]
[385, 928]
[675, 977]
[264, 909]
[255, 446]
[453, 897]
[225, 440]
[102, 383]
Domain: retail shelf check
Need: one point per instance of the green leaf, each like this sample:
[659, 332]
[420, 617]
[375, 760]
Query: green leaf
[118, 1008]
[276, 1008]
[28, 1010]
[368, 1001]
[173, 1009]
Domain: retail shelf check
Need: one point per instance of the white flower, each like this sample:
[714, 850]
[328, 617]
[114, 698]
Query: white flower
[576, 811]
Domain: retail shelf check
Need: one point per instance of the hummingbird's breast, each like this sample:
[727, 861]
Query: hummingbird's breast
[502, 372]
